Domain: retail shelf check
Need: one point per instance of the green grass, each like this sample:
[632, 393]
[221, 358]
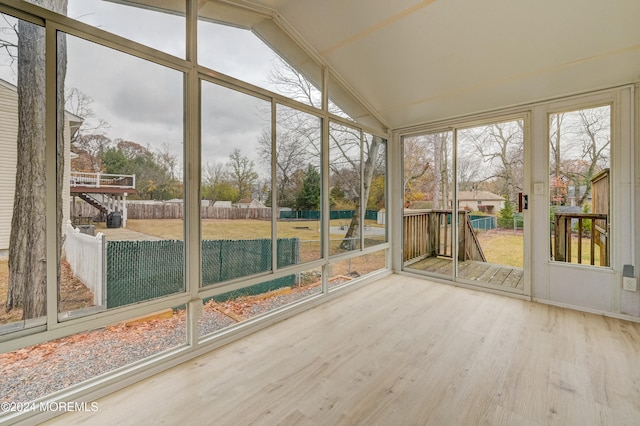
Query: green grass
[503, 248]
[586, 251]
[244, 229]
[213, 229]
[507, 248]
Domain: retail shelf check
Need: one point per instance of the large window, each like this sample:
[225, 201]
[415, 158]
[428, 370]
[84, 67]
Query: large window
[236, 183]
[345, 150]
[123, 229]
[298, 180]
[229, 49]
[428, 185]
[464, 222]
[35, 371]
[112, 139]
[375, 190]
[579, 186]
[161, 27]
[23, 287]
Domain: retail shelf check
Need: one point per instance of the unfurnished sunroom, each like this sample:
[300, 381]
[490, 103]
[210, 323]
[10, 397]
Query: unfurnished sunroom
[235, 163]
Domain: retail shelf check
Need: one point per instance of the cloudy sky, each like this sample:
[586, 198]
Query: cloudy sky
[143, 102]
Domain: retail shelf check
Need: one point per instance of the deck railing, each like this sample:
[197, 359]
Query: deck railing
[581, 228]
[428, 233]
[102, 180]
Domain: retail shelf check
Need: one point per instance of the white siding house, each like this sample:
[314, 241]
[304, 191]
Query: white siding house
[8, 158]
[483, 201]
[8, 135]
[247, 203]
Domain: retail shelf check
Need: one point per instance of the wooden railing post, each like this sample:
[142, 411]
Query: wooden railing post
[563, 237]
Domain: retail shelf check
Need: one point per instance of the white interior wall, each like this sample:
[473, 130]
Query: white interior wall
[589, 288]
[630, 303]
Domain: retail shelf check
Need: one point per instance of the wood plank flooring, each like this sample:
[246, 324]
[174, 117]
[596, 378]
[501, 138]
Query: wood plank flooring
[402, 351]
[501, 275]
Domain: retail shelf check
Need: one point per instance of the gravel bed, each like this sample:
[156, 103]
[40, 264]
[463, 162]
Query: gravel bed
[30, 373]
[279, 301]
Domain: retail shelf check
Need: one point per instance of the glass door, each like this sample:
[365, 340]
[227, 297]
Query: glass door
[427, 222]
[491, 204]
[480, 171]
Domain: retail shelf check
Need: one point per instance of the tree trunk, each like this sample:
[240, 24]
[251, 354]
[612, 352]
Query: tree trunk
[350, 242]
[437, 173]
[27, 246]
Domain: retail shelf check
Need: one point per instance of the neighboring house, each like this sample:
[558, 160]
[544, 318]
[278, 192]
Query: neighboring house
[222, 204]
[9, 155]
[483, 201]
[247, 203]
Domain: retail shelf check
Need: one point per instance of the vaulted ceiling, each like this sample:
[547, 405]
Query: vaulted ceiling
[421, 61]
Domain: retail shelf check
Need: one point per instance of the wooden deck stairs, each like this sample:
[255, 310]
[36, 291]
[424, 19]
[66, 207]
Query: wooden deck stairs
[94, 202]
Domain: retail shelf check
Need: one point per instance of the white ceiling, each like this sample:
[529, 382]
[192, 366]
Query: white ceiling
[421, 61]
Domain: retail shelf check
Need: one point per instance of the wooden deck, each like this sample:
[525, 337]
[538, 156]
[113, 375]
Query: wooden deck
[500, 275]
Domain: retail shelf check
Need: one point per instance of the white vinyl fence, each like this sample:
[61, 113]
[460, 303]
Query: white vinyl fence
[85, 255]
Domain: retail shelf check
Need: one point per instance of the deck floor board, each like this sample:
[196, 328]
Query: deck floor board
[501, 275]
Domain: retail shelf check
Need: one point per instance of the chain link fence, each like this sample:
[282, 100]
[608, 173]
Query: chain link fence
[144, 270]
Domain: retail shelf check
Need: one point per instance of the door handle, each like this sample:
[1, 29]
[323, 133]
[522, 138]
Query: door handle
[523, 202]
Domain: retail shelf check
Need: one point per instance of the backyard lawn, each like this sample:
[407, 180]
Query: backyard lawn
[241, 229]
[505, 247]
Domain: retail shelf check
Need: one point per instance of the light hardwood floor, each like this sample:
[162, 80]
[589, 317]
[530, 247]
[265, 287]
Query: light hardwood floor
[403, 351]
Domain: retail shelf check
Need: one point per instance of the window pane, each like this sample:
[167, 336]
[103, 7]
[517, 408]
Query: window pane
[375, 179]
[298, 174]
[490, 166]
[124, 229]
[237, 306]
[344, 192]
[240, 53]
[428, 182]
[579, 162]
[39, 370]
[345, 271]
[160, 25]
[22, 175]
[236, 184]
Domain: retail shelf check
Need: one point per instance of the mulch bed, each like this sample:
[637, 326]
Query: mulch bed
[73, 295]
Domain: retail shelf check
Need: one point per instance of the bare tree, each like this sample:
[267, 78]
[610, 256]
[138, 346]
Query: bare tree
[79, 104]
[213, 173]
[168, 160]
[353, 232]
[501, 147]
[242, 173]
[303, 128]
[290, 82]
[595, 143]
[580, 146]
[555, 135]
[8, 42]
[291, 156]
[417, 161]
